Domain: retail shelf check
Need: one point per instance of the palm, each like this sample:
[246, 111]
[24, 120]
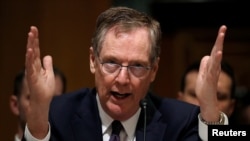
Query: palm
[40, 77]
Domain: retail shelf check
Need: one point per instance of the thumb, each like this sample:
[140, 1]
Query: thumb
[48, 65]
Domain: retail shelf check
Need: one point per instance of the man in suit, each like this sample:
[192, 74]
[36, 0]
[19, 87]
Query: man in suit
[124, 58]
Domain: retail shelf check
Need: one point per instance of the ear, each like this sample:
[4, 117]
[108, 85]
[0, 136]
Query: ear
[14, 105]
[180, 95]
[92, 60]
[155, 69]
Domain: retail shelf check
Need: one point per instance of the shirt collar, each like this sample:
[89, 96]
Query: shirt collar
[17, 138]
[128, 125]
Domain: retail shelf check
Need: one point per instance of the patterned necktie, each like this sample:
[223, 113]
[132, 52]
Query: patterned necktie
[116, 128]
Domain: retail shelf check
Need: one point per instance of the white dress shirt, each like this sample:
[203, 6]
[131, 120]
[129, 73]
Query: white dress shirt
[128, 134]
[16, 138]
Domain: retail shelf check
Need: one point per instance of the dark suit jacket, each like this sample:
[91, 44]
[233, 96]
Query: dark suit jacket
[75, 117]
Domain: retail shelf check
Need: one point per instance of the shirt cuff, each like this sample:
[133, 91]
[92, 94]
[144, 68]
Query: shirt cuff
[28, 136]
[203, 128]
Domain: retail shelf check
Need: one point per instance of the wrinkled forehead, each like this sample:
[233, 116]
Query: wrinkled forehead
[130, 42]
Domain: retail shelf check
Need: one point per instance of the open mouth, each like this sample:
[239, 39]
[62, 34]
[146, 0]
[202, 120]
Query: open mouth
[120, 96]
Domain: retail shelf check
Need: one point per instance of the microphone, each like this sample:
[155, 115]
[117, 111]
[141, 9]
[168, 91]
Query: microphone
[143, 104]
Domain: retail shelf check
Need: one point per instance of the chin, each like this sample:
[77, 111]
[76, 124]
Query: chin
[114, 108]
[116, 111]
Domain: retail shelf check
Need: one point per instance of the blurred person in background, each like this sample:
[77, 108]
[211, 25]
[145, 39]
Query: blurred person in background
[20, 97]
[225, 87]
[241, 114]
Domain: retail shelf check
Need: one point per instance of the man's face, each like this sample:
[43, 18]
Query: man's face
[189, 95]
[225, 103]
[121, 93]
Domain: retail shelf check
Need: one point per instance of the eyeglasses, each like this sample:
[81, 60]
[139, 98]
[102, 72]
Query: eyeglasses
[114, 68]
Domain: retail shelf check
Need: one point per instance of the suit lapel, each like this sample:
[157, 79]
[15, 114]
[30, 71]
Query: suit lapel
[155, 128]
[87, 116]
[153, 132]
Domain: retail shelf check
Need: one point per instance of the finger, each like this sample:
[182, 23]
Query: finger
[35, 42]
[29, 53]
[48, 65]
[218, 46]
[32, 61]
[217, 51]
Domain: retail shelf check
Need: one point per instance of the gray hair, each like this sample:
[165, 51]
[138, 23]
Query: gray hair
[124, 20]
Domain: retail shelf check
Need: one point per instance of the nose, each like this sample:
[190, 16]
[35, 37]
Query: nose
[123, 76]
